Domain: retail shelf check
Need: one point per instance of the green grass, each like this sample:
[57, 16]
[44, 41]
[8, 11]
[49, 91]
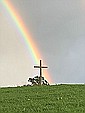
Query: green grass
[44, 99]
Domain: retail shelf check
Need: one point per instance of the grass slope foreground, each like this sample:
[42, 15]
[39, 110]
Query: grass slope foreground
[43, 99]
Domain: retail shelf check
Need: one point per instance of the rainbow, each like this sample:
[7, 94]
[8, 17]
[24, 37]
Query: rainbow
[30, 44]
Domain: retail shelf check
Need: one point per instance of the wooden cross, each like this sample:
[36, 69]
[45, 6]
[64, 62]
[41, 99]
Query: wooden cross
[40, 80]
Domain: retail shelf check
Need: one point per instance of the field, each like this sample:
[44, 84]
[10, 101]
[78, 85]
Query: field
[44, 99]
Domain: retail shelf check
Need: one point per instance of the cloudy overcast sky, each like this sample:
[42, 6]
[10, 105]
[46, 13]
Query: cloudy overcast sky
[58, 26]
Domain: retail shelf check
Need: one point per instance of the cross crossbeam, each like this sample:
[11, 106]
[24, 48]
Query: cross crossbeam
[40, 66]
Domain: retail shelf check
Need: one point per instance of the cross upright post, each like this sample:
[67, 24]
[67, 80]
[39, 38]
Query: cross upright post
[40, 78]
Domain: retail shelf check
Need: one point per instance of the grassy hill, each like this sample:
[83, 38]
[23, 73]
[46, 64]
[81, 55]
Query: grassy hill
[44, 99]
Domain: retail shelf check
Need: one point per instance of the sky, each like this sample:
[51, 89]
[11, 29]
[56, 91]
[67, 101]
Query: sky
[57, 28]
